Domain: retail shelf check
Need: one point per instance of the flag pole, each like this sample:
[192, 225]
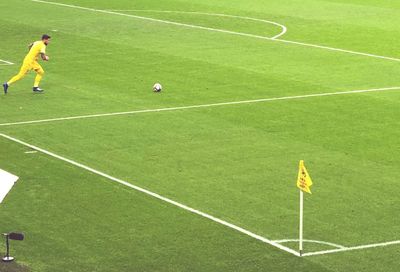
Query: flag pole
[301, 224]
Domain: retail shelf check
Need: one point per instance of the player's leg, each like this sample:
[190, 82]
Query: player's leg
[22, 72]
[39, 75]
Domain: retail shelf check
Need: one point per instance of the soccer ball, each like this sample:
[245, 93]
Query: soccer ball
[157, 87]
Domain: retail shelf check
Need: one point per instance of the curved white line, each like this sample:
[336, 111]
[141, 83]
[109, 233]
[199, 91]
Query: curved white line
[218, 30]
[310, 241]
[323, 252]
[284, 28]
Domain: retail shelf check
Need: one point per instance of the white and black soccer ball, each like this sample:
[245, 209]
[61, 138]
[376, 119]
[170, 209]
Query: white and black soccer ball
[157, 87]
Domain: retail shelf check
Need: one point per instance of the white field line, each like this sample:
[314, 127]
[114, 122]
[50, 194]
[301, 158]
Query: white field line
[197, 106]
[309, 241]
[219, 30]
[5, 62]
[210, 217]
[155, 195]
[323, 252]
[30, 152]
[284, 28]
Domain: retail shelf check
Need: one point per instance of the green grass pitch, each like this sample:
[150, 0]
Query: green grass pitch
[236, 162]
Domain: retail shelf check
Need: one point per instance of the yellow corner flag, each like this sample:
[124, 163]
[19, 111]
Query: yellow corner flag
[304, 181]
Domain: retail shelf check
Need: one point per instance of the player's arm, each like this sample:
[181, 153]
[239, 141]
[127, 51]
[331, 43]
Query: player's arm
[44, 56]
[43, 53]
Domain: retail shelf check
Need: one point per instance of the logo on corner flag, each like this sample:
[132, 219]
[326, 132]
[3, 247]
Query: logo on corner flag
[304, 181]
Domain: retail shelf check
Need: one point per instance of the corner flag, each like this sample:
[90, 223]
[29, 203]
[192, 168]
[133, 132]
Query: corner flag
[304, 181]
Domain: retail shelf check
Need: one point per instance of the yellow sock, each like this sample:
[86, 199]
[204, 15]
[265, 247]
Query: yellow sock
[38, 78]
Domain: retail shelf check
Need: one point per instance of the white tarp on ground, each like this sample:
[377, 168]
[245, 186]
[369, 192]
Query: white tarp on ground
[7, 181]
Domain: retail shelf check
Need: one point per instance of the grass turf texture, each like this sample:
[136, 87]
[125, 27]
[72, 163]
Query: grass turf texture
[237, 163]
[12, 267]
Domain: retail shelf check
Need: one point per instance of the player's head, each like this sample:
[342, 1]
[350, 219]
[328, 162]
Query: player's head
[46, 39]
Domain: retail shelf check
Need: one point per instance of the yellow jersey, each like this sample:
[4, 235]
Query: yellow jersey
[36, 49]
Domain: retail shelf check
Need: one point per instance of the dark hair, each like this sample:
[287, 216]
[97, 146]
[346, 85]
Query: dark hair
[46, 37]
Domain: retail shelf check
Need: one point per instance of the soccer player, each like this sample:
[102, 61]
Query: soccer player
[36, 49]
